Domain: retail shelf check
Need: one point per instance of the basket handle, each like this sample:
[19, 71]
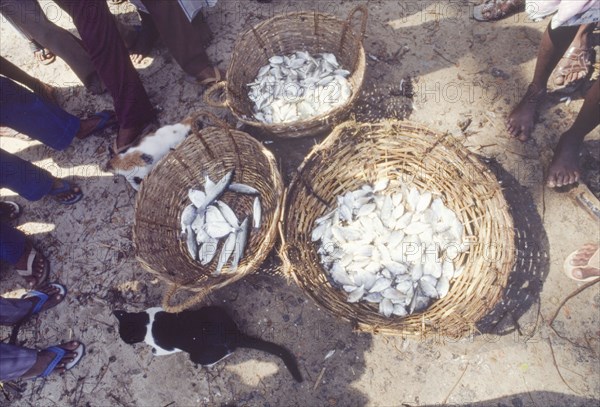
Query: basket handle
[361, 8]
[217, 121]
[211, 98]
[190, 302]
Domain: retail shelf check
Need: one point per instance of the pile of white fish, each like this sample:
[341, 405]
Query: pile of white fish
[208, 220]
[298, 86]
[391, 246]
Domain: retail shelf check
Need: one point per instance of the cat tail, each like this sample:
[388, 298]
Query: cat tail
[274, 349]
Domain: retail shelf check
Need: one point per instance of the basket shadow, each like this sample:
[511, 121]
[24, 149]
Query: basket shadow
[532, 262]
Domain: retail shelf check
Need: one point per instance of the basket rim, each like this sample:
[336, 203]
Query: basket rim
[280, 127]
[292, 269]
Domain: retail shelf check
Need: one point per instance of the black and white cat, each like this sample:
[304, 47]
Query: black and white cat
[208, 335]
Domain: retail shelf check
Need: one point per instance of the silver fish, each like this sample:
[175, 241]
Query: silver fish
[226, 252]
[256, 213]
[228, 214]
[198, 223]
[192, 247]
[356, 295]
[207, 251]
[242, 189]
[240, 244]
[197, 197]
[214, 193]
[386, 307]
[187, 217]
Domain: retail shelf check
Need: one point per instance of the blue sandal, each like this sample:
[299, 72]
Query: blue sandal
[107, 119]
[66, 188]
[59, 355]
[43, 297]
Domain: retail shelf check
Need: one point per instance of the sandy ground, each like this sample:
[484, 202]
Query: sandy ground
[449, 59]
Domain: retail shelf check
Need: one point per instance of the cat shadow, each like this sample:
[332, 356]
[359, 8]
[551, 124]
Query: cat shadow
[521, 295]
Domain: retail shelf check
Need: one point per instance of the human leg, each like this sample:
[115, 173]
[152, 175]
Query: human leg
[564, 169]
[17, 250]
[554, 43]
[110, 57]
[17, 362]
[32, 182]
[33, 116]
[184, 39]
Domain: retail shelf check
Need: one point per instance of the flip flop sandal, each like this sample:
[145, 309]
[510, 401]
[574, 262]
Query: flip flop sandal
[59, 355]
[9, 211]
[43, 298]
[574, 60]
[107, 119]
[589, 251]
[66, 187]
[496, 10]
[29, 271]
[47, 56]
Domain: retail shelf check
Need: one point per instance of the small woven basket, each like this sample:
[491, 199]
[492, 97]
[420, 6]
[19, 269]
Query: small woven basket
[212, 151]
[283, 35]
[355, 154]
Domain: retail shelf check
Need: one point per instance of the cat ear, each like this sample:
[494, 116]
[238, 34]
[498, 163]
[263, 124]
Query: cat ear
[119, 314]
[147, 158]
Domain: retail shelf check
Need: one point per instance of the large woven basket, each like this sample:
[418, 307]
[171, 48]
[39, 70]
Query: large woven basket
[355, 154]
[282, 35]
[212, 151]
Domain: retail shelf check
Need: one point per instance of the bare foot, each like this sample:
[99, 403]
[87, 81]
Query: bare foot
[584, 263]
[40, 266]
[45, 357]
[521, 121]
[564, 169]
[145, 39]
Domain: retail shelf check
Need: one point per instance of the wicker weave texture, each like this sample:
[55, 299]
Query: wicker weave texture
[355, 154]
[212, 151]
[283, 35]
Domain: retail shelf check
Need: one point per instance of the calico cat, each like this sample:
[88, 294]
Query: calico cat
[135, 163]
[207, 334]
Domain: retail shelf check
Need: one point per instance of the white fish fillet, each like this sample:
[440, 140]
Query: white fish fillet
[356, 295]
[386, 307]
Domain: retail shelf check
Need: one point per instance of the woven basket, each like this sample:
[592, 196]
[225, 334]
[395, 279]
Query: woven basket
[212, 151]
[283, 35]
[355, 154]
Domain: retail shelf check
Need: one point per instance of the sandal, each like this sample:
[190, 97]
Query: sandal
[43, 298]
[44, 56]
[60, 353]
[492, 10]
[66, 188]
[28, 272]
[107, 119]
[588, 258]
[574, 61]
[9, 211]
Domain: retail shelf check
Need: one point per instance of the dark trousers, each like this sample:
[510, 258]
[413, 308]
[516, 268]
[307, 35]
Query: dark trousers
[186, 41]
[28, 17]
[99, 33]
[14, 360]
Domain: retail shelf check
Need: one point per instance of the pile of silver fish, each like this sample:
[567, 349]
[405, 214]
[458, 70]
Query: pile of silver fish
[394, 246]
[207, 221]
[298, 86]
